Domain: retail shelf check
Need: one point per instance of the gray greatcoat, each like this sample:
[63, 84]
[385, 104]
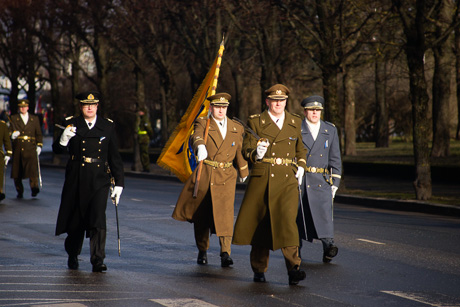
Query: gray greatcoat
[317, 196]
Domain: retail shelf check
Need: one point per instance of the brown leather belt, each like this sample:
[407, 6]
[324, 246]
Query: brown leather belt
[87, 159]
[218, 164]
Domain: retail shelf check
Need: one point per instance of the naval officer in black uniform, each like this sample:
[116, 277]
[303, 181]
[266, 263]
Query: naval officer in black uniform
[92, 144]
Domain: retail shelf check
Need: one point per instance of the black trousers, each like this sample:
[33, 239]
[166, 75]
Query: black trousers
[76, 234]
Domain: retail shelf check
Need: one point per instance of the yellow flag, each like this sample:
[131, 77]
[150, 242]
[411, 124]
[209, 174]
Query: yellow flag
[177, 156]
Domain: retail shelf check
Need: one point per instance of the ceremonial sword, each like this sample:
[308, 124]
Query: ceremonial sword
[248, 129]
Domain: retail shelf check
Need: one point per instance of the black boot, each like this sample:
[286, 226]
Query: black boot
[225, 260]
[202, 257]
[296, 275]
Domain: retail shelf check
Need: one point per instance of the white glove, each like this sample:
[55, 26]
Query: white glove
[116, 193]
[202, 153]
[39, 150]
[67, 134]
[262, 149]
[334, 189]
[242, 179]
[299, 174]
[15, 135]
[7, 159]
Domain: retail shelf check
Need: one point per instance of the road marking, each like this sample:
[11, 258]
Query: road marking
[369, 241]
[182, 302]
[424, 299]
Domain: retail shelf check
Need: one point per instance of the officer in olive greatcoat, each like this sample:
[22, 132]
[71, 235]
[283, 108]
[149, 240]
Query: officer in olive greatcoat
[144, 134]
[92, 145]
[27, 137]
[322, 177]
[213, 208]
[5, 142]
[267, 217]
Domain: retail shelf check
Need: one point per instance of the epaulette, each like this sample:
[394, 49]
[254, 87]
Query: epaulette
[3, 121]
[295, 114]
[329, 123]
[254, 115]
[237, 122]
[202, 117]
[109, 120]
[67, 118]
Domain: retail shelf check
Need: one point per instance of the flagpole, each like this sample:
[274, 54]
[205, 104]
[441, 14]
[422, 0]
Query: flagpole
[208, 121]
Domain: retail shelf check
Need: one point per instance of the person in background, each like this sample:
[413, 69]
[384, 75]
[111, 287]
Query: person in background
[267, 217]
[322, 177]
[5, 142]
[93, 161]
[212, 210]
[144, 133]
[27, 137]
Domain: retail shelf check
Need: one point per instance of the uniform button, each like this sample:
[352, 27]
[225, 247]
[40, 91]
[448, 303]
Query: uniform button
[308, 186]
[273, 175]
[273, 153]
[321, 155]
[309, 155]
[287, 154]
[319, 185]
[100, 143]
[212, 183]
[287, 175]
[99, 150]
[274, 144]
[273, 164]
[98, 165]
[83, 164]
[289, 143]
[83, 142]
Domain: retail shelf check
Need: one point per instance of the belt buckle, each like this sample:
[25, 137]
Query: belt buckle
[87, 160]
[313, 169]
[221, 164]
[278, 161]
[26, 137]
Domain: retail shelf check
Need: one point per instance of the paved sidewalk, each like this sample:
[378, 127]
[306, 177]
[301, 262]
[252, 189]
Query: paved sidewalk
[352, 182]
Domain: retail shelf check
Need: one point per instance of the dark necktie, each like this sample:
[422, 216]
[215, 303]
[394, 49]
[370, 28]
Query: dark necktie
[90, 124]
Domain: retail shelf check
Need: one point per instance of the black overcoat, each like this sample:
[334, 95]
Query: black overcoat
[83, 180]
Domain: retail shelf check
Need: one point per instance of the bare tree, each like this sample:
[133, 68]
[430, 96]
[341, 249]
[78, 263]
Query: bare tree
[442, 48]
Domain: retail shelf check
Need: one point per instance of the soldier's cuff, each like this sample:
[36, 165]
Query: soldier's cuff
[302, 162]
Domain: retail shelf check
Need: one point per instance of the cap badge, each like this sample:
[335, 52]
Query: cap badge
[316, 103]
[278, 92]
[222, 99]
[90, 96]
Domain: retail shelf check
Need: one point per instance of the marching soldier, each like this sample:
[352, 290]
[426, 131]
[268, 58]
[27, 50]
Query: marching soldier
[26, 134]
[6, 143]
[92, 145]
[322, 177]
[267, 217]
[213, 208]
[145, 133]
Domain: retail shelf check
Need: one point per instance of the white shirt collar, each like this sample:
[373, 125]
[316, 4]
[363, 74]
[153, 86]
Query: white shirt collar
[278, 121]
[314, 128]
[92, 123]
[25, 117]
[222, 126]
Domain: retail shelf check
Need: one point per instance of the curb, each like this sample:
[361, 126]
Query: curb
[370, 202]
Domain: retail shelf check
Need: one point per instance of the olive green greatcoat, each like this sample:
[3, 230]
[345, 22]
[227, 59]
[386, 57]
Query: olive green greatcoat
[267, 217]
[221, 181]
[5, 142]
[25, 151]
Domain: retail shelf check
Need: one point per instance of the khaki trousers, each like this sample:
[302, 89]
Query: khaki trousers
[260, 256]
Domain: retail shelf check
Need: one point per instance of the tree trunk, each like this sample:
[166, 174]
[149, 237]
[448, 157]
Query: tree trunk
[457, 75]
[415, 47]
[382, 131]
[441, 85]
[349, 121]
[140, 95]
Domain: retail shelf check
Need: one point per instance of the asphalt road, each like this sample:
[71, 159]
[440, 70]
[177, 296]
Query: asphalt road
[385, 258]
